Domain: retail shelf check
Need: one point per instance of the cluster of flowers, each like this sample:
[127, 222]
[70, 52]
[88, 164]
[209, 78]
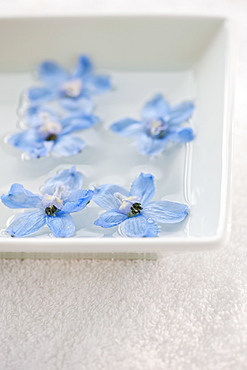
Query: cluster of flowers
[61, 195]
[49, 130]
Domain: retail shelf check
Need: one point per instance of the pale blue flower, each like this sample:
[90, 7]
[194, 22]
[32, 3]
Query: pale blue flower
[48, 133]
[61, 195]
[73, 90]
[160, 124]
[134, 210]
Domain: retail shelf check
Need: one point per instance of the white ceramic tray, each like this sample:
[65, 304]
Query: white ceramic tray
[184, 58]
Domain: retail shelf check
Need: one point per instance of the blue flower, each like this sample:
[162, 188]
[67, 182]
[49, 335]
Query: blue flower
[73, 90]
[49, 134]
[160, 125]
[134, 210]
[61, 195]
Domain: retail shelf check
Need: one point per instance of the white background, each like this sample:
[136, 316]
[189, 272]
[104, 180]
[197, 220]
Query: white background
[186, 311]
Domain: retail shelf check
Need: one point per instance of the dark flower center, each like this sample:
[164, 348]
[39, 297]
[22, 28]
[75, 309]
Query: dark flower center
[129, 206]
[135, 209]
[51, 210]
[51, 137]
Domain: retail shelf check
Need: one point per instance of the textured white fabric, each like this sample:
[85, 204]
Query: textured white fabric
[186, 311]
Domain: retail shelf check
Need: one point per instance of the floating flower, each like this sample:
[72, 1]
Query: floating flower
[73, 90]
[160, 125]
[61, 195]
[49, 134]
[134, 210]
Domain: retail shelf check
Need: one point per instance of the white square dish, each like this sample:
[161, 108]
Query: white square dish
[184, 58]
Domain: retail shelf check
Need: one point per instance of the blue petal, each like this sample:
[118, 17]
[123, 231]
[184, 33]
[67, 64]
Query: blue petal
[180, 135]
[24, 140]
[166, 212]
[139, 226]
[41, 149]
[70, 178]
[78, 122]
[104, 196]
[19, 197]
[83, 104]
[51, 73]
[181, 113]
[146, 145]
[61, 226]
[110, 219]
[127, 127]
[68, 145]
[29, 142]
[84, 66]
[158, 107]
[96, 84]
[26, 223]
[41, 94]
[152, 229]
[77, 201]
[34, 114]
[143, 187]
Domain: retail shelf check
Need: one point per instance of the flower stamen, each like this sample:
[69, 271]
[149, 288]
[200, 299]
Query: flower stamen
[129, 205]
[50, 130]
[157, 128]
[52, 203]
[135, 209]
[51, 210]
[72, 88]
[51, 137]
